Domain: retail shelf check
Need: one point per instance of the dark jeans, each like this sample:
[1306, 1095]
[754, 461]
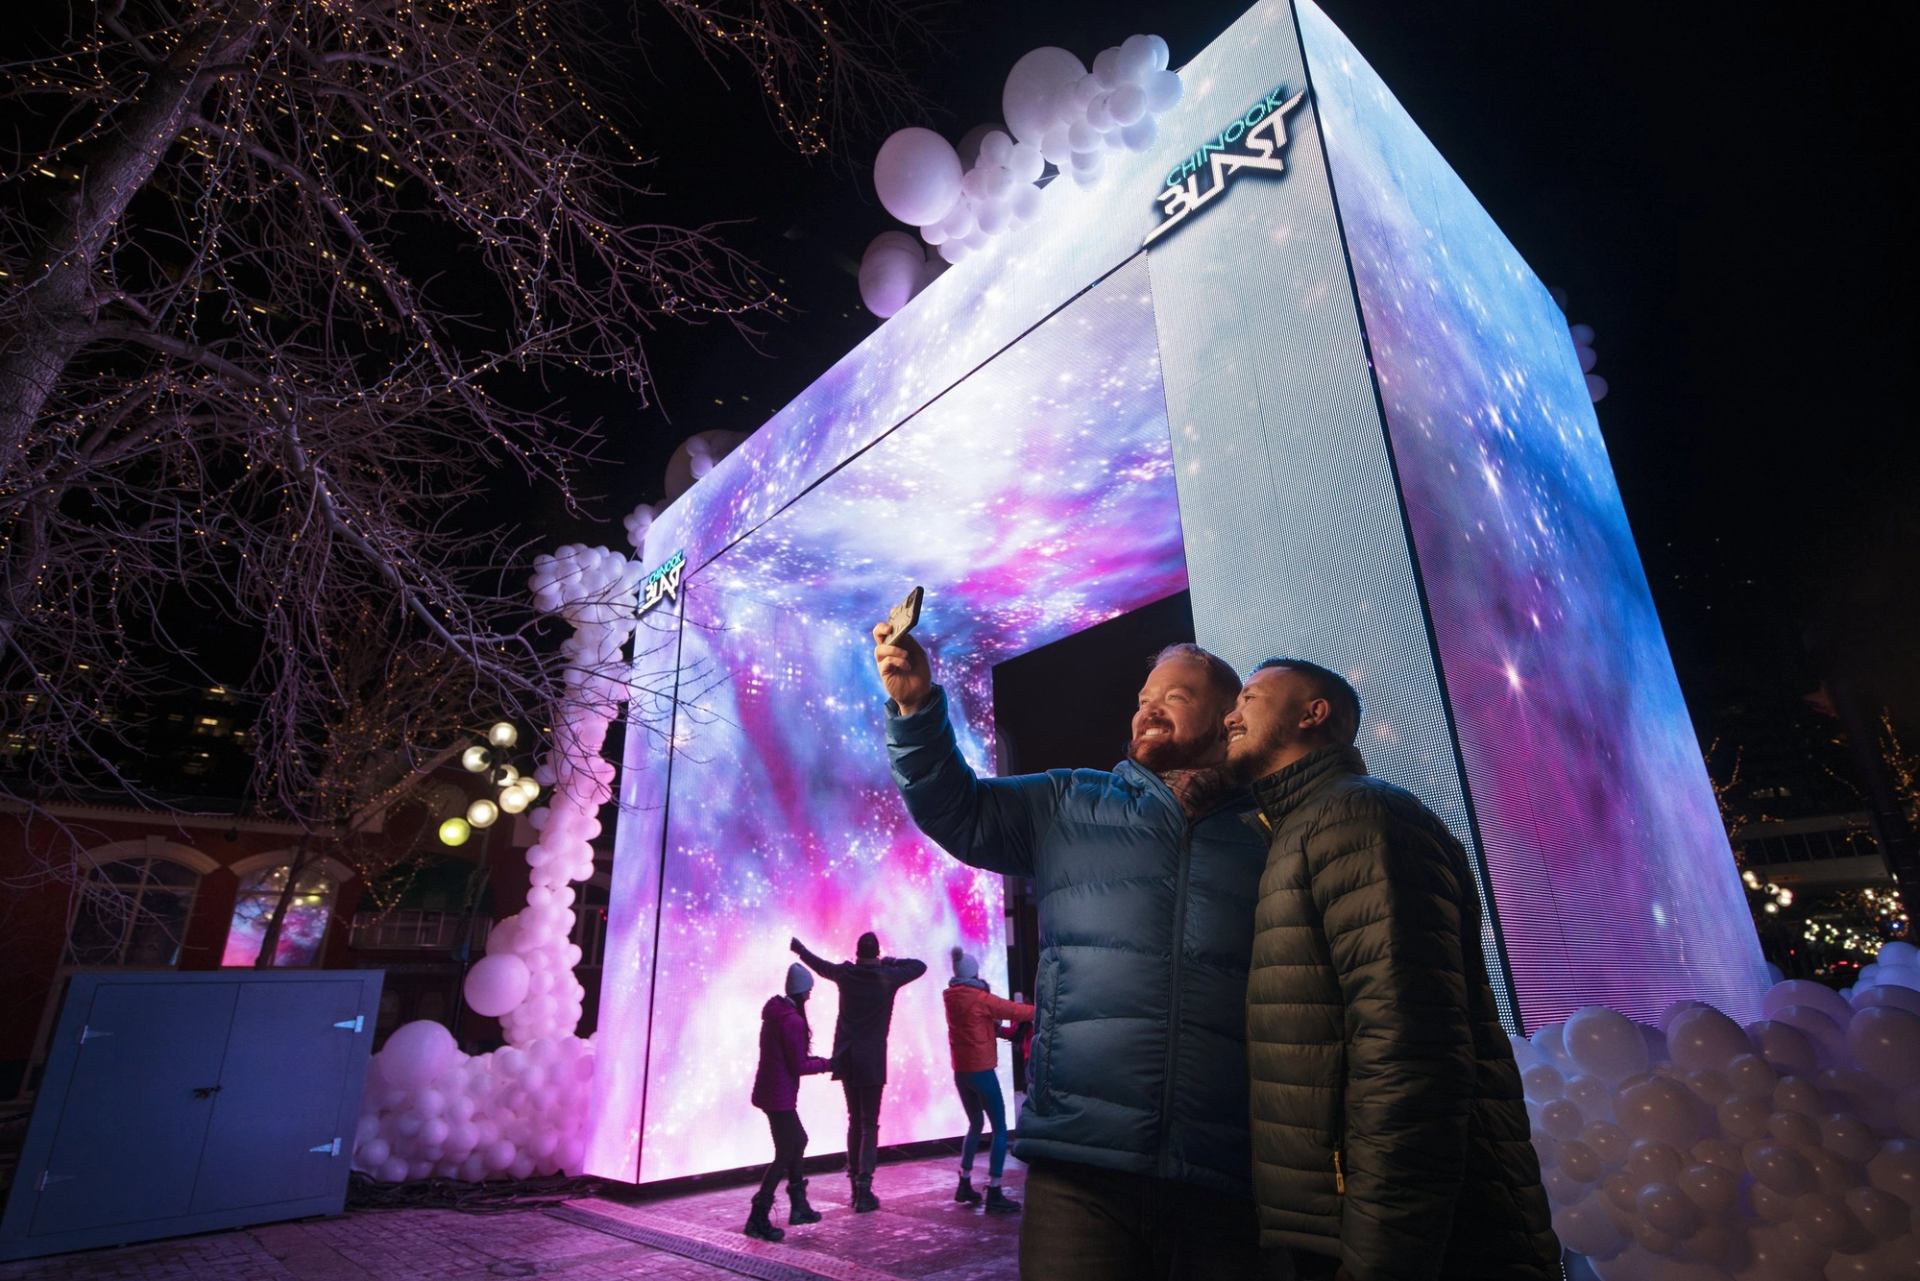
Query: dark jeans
[1087, 1224]
[980, 1096]
[863, 1127]
[789, 1150]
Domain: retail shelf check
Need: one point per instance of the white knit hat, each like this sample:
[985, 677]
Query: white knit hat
[799, 979]
[964, 965]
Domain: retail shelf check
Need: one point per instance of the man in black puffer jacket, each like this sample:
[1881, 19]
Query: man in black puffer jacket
[1389, 1129]
[1135, 1122]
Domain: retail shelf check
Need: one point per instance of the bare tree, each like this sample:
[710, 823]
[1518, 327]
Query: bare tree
[280, 279]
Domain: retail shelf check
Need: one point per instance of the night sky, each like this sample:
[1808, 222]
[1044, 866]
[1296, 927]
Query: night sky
[1715, 188]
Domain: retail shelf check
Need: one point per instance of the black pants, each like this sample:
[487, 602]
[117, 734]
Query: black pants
[789, 1150]
[863, 1127]
[1086, 1224]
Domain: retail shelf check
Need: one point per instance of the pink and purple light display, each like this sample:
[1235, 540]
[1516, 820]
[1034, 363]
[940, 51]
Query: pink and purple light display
[1032, 501]
[1611, 872]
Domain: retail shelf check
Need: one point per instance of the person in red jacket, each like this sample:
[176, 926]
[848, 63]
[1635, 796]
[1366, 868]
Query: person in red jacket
[785, 1057]
[975, 1016]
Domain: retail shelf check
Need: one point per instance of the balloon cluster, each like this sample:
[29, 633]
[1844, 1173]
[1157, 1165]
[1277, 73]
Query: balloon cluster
[431, 1111]
[1788, 1150]
[428, 1109]
[1582, 336]
[1057, 112]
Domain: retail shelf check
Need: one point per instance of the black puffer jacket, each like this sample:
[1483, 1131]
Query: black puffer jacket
[1389, 1129]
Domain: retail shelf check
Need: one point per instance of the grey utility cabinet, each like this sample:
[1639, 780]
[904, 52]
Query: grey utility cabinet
[177, 1103]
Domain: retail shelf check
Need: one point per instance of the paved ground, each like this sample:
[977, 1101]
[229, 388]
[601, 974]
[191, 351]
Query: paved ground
[919, 1234]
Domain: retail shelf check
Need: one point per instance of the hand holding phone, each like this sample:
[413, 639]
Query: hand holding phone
[904, 668]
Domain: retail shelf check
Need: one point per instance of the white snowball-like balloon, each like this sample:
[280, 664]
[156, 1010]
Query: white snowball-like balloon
[496, 984]
[416, 1053]
[1140, 135]
[1605, 1044]
[1162, 89]
[1027, 102]
[1127, 105]
[1025, 162]
[917, 175]
[889, 276]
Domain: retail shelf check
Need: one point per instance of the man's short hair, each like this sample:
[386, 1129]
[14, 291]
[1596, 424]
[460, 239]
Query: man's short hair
[1330, 685]
[1220, 674]
[868, 948]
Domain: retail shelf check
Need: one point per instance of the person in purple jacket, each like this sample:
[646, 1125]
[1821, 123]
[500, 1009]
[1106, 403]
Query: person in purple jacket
[785, 1057]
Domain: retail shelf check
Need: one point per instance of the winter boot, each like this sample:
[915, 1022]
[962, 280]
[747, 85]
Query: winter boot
[758, 1224]
[864, 1201]
[965, 1194]
[798, 1211]
[998, 1202]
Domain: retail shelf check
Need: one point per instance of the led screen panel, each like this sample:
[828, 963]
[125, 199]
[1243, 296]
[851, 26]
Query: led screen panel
[627, 964]
[1611, 872]
[1296, 544]
[1033, 500]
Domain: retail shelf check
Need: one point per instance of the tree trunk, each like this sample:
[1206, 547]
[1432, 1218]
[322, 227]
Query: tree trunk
[52, 319]
[303, 858]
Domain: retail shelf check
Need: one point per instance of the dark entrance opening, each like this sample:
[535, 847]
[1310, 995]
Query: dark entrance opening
[1069, 705]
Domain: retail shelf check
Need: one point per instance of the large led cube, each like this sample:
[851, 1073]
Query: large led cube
[1282, 360]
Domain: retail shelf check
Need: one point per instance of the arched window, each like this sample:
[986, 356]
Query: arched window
[134, 903]
[303, 932]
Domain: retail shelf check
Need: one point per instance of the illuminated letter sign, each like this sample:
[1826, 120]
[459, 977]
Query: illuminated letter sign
[1260, 134]
[663, 583]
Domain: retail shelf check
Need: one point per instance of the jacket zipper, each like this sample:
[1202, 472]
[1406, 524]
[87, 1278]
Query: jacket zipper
[1173, 998]
[1339, 1175]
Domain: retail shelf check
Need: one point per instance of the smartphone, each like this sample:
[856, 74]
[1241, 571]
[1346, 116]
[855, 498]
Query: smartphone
[905, 615]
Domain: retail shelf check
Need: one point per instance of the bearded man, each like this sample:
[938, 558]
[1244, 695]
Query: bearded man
[1134, 1126]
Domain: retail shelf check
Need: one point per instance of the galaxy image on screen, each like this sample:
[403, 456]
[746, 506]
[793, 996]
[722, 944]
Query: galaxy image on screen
[1613, 878]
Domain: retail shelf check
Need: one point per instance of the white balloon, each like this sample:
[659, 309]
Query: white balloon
[1082, 136]
[994, 217]
[1106, 68]
[954, 250]
[917, 175]
[416, 1053]
[1127, 104]
[1141, 134]
[1026, 203]
[995, 148]
[968, 148]
[1056, 146]
[1026, 163]
[1160, 55]
[958, 224]
[888, 277]
[1163, 89]
[1136, 58]
[1027, 102]
[1100, 116]
[496, 984]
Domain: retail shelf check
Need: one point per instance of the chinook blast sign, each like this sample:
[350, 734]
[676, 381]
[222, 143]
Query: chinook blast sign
[1254, 141]
[663, 583]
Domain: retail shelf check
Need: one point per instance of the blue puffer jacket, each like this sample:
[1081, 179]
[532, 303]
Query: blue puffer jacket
[1146, 931]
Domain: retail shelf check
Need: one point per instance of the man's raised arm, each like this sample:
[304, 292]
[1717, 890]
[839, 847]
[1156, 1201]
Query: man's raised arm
[992, 823]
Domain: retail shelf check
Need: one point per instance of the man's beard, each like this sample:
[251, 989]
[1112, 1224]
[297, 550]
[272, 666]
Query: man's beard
[1161, 755]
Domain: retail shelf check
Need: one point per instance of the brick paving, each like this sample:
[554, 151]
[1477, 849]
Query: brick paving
[919, 1234]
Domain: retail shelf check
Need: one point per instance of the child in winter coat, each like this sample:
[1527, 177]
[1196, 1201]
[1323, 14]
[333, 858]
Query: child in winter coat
[975, 1017]
[785, 1042]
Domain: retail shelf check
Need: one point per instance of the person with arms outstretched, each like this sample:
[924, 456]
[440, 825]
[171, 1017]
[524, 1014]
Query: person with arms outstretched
[867, 986]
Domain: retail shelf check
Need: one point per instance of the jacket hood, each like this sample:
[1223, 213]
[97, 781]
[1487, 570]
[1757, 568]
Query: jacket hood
[777, 1008]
